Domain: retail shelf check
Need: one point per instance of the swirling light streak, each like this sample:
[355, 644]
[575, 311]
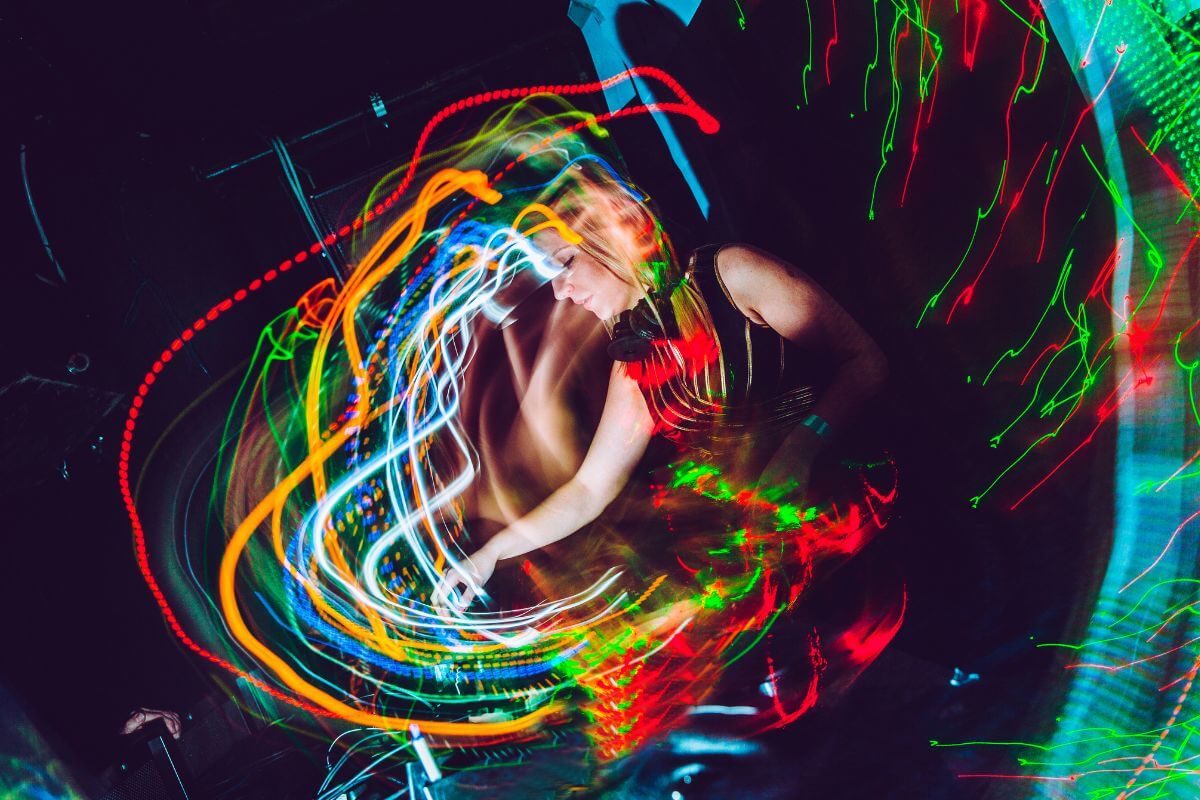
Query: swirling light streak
[686, 107]
[347, 463]
[424, 360]
[1096, 357]
[415, 519]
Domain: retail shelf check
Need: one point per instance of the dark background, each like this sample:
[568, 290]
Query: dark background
[128, 113]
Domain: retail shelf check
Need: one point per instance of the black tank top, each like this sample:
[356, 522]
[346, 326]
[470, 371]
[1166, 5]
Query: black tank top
[769, 383]
[761, 366]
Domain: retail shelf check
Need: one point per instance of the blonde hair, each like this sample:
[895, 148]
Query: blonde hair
[621, 232]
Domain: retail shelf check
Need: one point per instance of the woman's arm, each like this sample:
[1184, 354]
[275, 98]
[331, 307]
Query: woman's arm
[617, 446]
[772, 292]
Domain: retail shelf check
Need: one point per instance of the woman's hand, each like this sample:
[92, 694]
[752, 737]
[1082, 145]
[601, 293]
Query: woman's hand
[479, 565]
[790, 471]
[141, 717]
[792, 462]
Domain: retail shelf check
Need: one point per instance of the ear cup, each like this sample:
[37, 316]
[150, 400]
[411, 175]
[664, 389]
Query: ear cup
[635, 330]
[630, 339]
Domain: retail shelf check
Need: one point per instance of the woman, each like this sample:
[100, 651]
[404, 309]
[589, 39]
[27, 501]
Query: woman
[736, 312]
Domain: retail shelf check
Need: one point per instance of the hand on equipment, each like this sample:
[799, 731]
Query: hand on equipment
[141, 717]
[480, 566]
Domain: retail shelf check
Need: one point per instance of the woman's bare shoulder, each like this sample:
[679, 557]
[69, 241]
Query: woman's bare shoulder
[752, 276]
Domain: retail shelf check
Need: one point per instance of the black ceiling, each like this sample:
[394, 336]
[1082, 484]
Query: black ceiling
[168, 67]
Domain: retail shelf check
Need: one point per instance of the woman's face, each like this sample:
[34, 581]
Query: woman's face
[584, 280]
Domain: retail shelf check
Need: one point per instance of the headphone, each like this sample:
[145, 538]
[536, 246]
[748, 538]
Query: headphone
[631, 337]
[635, 330]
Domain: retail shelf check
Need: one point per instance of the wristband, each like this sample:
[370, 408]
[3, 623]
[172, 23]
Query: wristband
[819, 426]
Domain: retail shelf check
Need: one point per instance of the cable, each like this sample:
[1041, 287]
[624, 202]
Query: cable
[38, 222]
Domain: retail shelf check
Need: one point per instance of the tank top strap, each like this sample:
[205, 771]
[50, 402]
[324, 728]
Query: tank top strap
[754, 354]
